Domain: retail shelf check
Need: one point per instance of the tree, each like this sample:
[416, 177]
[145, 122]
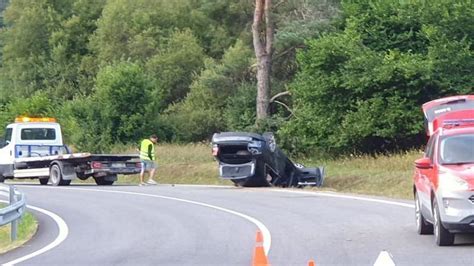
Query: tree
[119, 111]
[26, 48]
[297, 21]
[204, 110]
[360, 89]
[71, 72]
[262, 32]
[174, 67]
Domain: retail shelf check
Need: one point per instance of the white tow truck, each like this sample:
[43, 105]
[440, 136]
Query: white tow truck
[33, 148]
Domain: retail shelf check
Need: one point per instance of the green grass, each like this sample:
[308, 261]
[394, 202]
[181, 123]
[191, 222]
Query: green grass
[26, 229]
[182, 164]
[383, 175]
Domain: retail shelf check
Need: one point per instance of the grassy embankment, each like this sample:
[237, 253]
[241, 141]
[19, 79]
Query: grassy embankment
[26, 229]
[388, 176]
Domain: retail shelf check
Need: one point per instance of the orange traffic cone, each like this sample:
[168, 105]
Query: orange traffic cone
[259, 237]
[259, 257]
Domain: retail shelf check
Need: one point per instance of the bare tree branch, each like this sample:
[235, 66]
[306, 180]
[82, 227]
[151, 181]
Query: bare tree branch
[287, 108]
[278, 55]
[279, 3]
[279, 95]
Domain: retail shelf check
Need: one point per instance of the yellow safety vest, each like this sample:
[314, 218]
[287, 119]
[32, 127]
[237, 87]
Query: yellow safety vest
[144, 150]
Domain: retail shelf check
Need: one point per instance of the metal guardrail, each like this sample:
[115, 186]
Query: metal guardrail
[14, 211]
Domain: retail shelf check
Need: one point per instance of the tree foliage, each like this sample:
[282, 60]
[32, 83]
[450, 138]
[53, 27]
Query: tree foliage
[119, 110]
[115, 71]
[360, 89]
[201, 113]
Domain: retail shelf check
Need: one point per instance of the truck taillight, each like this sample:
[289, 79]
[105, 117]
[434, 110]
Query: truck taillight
[215, 150]
[96, 165]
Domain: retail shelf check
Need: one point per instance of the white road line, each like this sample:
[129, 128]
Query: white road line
[384, 259]
[342, 196]
[63, 233]
[265, 232]
[267, 238]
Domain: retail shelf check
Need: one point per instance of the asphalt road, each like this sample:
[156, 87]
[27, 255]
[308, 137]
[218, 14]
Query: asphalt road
[169, 225]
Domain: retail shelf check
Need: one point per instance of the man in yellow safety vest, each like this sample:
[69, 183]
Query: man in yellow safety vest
[147, 157]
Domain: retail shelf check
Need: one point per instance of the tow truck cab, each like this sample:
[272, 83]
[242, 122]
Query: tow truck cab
[30, 137]
[34, 148]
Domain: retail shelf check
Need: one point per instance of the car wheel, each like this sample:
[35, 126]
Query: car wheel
[442, 236]
[43, 181]
[102, 182]
[2, 179]
[422, 226]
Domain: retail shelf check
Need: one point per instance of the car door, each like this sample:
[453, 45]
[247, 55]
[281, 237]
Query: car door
[424, 178]
[6, 153]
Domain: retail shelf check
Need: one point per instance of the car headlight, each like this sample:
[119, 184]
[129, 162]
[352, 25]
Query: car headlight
[452, 182]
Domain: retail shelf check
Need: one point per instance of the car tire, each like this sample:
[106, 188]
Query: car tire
[43, 181]
[2, 179]
[422, 226]
[102, 182]
[442, 236]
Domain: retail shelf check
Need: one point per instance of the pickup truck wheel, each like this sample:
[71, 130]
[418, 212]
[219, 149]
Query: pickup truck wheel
[56, 176]
[442, 236]
[422, 226]
[44, 181]
[102, 182]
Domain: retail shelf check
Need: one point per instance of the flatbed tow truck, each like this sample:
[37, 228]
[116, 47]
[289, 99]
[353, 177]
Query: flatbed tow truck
[33, 148]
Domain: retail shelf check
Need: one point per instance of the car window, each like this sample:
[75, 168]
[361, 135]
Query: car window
[8, 135]
[457, 149]
[430, 147]
[7, 138]
[38, 134]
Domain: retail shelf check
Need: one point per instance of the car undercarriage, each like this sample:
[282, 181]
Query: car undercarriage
[254, 160]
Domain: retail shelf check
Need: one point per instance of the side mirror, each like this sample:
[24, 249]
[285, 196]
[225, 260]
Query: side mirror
[423, 163]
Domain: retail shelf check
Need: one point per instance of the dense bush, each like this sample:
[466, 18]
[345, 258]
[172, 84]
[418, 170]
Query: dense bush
[115, 71]
[360, 90]
[120, 110]
[209, 105]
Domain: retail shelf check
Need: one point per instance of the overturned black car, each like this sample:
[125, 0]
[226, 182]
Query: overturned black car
[254, 160]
